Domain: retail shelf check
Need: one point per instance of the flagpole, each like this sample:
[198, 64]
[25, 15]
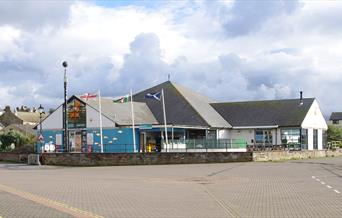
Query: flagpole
[100, 109]
[166, 139]
[133, 127]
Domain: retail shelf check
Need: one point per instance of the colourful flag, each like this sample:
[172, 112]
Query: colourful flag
[154, 96]
[122, 99]
[88, 95]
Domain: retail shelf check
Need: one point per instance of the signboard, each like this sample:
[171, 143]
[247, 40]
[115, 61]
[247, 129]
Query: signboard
[41, 138]
[145, 126]
[58, 139]
[49, 147]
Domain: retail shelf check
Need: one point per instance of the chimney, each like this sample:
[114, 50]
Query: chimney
[301, 98]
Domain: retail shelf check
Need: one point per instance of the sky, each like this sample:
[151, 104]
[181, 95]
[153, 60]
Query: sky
[228, 50]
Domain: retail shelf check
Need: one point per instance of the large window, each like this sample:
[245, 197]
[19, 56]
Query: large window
[304, 139]
[76, 114]
[263, 136]
[290, 137]
[315, 139]
[336, 121]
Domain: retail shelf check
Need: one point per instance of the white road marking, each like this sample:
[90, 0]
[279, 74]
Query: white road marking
[323, 183]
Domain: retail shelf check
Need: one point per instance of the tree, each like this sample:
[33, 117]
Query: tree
[334, 133]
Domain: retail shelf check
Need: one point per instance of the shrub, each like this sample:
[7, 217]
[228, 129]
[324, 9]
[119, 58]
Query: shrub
[19, 140]
[334, 133]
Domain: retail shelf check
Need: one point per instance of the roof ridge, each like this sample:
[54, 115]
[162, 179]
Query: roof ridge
[255, 101]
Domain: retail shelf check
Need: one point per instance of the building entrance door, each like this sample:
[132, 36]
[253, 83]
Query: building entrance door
[143, 142]
[75, 140]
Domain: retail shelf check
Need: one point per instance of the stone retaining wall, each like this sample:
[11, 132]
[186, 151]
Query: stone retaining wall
[289, 155]
[114, 159]
[13, 157]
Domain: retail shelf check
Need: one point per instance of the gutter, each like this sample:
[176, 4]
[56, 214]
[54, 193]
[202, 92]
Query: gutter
[256, 127]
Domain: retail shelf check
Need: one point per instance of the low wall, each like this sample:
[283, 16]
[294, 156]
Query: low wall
[289, 155]
[13, 157]
[114, 159]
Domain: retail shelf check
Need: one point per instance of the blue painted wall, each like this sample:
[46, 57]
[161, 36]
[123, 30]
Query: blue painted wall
[49, 137]
[115, 140]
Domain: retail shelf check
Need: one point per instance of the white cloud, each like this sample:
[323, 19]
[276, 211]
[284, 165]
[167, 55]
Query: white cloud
[226, 50]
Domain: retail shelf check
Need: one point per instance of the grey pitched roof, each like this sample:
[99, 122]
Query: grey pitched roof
[202, 105]
[336, 116]
[183, 107]
[120, 113]
[287, 112]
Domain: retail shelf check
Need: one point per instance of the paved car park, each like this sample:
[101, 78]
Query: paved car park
[298, 188]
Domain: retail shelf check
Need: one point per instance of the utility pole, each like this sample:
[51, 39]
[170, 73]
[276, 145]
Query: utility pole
[65, 115]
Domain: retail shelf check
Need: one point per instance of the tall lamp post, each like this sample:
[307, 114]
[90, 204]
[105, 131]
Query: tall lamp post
[65, 120]
[41, 112]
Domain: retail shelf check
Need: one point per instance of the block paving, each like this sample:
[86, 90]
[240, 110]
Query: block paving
[268, 189]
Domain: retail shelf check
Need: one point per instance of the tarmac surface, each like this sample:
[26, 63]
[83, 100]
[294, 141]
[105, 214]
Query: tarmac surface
[303, 188]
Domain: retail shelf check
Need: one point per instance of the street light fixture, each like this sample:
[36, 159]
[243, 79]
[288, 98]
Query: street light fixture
[65, 120]
[41, 112]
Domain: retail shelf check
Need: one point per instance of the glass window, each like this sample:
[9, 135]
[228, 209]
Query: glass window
[76, 114]
[211, 134]
[336, 121]
[263, 136]
[290, 136]
[304, 139]
[259, 136]
[315, 139]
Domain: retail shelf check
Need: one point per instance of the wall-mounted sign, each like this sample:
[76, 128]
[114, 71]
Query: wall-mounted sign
[58, 139]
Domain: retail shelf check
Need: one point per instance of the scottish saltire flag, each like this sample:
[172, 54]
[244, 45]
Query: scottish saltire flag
[122, 99]
[88, 95]
[154, 96]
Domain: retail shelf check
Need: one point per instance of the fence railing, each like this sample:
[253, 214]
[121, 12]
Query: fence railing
[187, 145]
[205, 144]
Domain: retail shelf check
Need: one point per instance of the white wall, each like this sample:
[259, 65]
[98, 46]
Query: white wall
[279, 136]
[247, 134]
[310, 139]
[54, 120]
[93, 119]
[314, 118]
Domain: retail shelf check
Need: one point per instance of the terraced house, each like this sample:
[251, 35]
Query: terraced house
[183, 120]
